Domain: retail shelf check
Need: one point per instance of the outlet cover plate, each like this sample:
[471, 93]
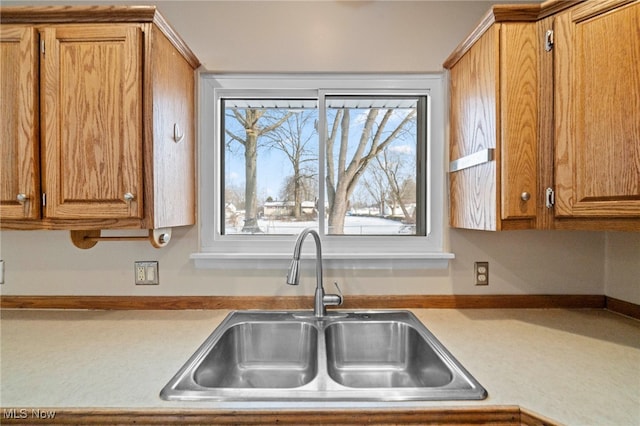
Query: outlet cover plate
[481, 272]
[146, 272]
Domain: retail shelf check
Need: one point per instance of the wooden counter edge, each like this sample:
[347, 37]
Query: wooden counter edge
[494, 415]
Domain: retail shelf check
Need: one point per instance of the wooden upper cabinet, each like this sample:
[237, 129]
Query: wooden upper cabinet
[494, 129]
[19, 144]
[172, 197]
[111, 141]
[597, 110]
[545, 118]
[92, 121]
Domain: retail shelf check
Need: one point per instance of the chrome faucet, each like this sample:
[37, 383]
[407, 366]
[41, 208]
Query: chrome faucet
[293, 275]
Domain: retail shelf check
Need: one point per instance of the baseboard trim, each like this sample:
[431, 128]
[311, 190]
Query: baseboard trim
[306, 302]
[623, 308]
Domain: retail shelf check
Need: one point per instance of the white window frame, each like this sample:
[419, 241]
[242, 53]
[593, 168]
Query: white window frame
[339, 251]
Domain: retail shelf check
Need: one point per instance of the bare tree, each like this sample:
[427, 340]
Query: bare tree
[375, 184]
[307, 187]
[233, 194]
[343, 175]
[256, 124]
[293, 138]
[397, 182]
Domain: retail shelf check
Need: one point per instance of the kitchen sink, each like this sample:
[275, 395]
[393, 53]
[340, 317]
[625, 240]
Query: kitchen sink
[261, 355]
[342, 356]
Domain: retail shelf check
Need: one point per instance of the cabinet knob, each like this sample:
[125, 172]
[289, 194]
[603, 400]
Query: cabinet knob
[22, 198]
[525, 196]
[128, 197]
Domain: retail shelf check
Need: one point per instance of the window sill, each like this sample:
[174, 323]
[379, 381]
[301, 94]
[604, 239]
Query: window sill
[330, 260]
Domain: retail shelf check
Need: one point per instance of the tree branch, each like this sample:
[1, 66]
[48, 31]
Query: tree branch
[235, 137]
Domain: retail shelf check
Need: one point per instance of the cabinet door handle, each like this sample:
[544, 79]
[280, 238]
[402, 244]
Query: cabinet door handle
[472, 160]
[548, 41]
[525, 196]
[178, 135]
[128, 197]
[22, 198]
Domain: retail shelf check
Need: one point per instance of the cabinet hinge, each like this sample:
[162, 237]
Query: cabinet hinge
[44, 199]
[42, 46]
[550, 197]
[548, 41]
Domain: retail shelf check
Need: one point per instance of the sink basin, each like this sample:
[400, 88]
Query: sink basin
[387, 354]
[261, 355]
[369, 356]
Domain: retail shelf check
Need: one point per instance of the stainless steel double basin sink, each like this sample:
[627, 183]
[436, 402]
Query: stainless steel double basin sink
[367, 356]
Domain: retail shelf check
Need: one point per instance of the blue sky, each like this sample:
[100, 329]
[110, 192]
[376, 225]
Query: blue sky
[274, 167]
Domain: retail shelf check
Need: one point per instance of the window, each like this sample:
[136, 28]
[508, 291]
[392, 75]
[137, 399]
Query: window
[372, 150]
[359, 158]
[270, 154]
[373, 155]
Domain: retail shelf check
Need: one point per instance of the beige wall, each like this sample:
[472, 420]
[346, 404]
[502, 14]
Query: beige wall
[622, 266]
[316, 36]
[327, 36]
[527, 262]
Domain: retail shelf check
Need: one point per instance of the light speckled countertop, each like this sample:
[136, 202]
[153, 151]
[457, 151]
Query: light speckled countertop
[578, 367]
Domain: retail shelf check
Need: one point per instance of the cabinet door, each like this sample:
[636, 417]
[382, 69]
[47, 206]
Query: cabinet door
[519, 80]
[473, 115]
[173, 136]
[91, 119]
[19, 153]
[494, 109]
[597, 110]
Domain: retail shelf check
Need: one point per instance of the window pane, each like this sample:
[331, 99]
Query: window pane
[270, 156]
[372, 157]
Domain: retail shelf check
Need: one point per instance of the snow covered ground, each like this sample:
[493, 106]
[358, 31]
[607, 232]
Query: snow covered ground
[354, 225]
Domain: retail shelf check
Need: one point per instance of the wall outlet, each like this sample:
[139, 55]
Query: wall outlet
[146, 272]
[482, 273]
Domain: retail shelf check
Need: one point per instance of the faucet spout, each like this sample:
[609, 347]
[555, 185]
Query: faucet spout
[321, 299]
[293, 275]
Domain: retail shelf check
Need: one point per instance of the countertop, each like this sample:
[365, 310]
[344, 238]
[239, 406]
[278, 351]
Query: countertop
[577, 367]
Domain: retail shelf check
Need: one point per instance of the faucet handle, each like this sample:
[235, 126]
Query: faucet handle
[333, 299]
[338, 287]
